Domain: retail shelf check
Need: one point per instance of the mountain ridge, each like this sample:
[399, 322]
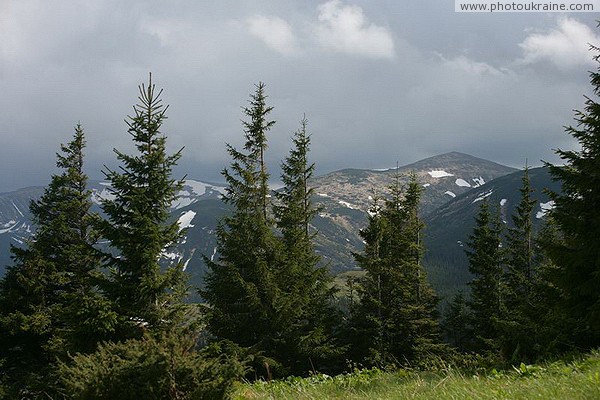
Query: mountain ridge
[343, 196]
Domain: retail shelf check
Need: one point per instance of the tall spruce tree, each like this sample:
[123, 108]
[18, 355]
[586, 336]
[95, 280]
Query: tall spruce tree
[366, 329]
[519, 279]
[397, 306]
[551, 327]
[305, 287]
[521, 248]
[137, 226]
[486, 265]
[49, 301]
[577, 215]
[242, 287]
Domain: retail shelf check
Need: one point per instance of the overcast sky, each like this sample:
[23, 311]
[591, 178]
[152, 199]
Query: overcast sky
[380, 81]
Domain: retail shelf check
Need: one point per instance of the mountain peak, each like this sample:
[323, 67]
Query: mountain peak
[457, 159]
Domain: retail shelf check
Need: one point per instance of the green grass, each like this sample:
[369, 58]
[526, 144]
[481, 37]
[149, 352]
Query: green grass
[579, 379]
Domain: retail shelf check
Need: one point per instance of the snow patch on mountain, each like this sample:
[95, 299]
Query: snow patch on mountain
[201, 188]
[9, 223]
[192, 190]
[17, 208]
[348, 205]
[478, 181]
[105, 194]
[426, 185]
[183, 202]
[185, 220]
[503, 202]
[439, 174]
[9, 227]
[198, 188]
[462, 183]
[483, 195]
[544, 208]
[170, 256]
[449, 193]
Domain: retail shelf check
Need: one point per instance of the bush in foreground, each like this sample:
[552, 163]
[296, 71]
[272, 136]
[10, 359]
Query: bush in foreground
[150, 369]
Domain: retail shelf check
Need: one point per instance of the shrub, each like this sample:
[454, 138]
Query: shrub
[151, 369]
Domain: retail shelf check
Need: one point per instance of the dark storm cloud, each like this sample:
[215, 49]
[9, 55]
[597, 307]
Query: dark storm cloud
[380, 81]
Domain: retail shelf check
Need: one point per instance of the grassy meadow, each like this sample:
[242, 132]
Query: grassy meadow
[575, 379]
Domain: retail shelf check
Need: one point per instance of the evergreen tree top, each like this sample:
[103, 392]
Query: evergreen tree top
[247, 177]
[137, 219]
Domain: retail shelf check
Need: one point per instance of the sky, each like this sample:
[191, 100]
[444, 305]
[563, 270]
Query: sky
[380, 81]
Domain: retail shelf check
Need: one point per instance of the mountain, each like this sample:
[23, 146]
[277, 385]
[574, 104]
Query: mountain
[344, 198]
[15, 222]
[15, 218]
[443, 176]
[449, 226]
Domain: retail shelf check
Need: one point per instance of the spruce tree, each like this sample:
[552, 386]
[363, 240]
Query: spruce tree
[305, 293]
[242, 287]
[421, 311]
[397, 306]
[519, 279]
[366, 323]
[577, 215]
[456, 323]
[486, 265]
[49, 300]
[137, 225]
[521, 248]
[550, 326]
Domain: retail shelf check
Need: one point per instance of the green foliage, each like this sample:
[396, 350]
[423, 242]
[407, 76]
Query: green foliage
[456, 323]
[147, 368]
[527, 296]
[520, 250]
[242, 286]
[516, 324]
[137, 225]
[577, 379]
[49, 300]
[267, 292]
[576, 213]
[304, 302]
[395, 320]
[551, 327]
[486, 265]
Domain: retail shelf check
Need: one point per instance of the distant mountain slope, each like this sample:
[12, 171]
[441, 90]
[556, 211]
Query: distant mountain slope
[444, 176]
[449, 226]
[346, 195]
[15, 218]
[343, 196]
